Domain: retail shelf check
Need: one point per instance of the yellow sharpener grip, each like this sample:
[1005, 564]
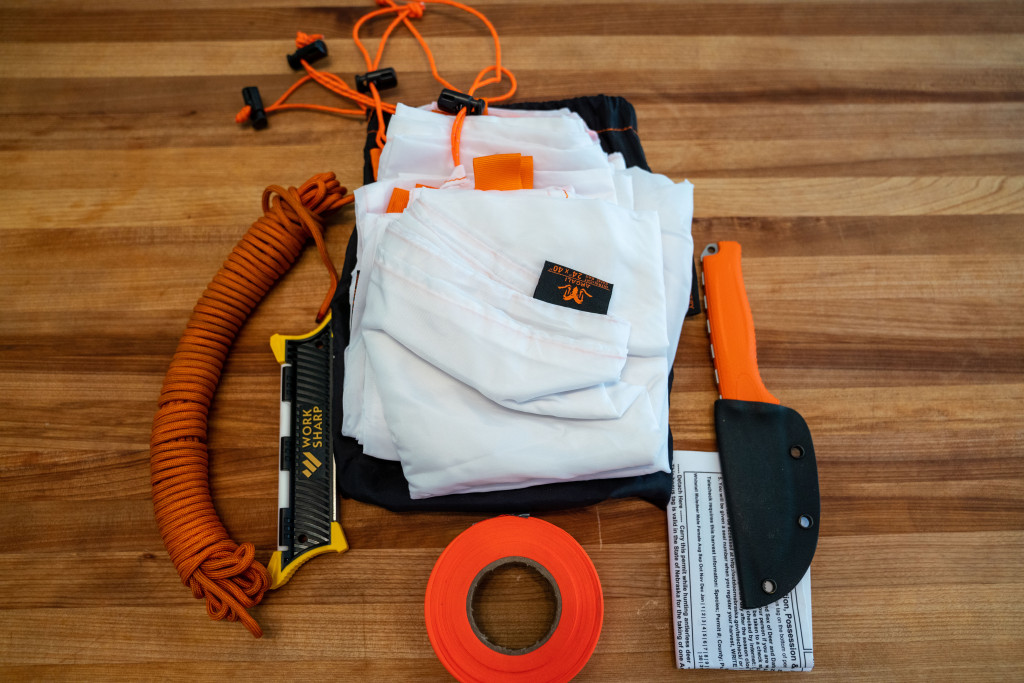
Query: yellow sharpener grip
[277, 341]
[279, 575]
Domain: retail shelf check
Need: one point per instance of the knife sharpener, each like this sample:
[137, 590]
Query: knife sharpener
[307, 500]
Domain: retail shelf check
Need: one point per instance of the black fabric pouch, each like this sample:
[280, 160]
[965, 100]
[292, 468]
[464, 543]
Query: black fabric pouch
[381, 482]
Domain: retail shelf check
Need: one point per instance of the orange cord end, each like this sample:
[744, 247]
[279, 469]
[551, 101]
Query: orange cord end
[304, 39]
[416, 9]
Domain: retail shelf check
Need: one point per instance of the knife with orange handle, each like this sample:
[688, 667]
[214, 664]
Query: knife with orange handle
[768, 462]
[731, 326]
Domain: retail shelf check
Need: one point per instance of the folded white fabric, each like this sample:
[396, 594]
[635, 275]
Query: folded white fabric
[560, 129]
[459, 365]
[512, 235]
[459, 448]
[419, 143]
[421, 155]
[445, 310]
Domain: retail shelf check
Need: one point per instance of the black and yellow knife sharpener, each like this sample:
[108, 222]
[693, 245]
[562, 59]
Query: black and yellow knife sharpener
[307, 523]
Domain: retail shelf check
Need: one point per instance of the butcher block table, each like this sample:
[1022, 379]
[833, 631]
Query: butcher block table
[868, 156]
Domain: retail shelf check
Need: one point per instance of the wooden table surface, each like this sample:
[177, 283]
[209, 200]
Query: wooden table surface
[869, 156]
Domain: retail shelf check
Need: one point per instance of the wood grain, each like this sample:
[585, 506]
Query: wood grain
[868, 156]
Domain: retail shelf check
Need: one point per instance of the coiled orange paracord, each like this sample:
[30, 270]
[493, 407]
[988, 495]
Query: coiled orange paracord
[226, 574]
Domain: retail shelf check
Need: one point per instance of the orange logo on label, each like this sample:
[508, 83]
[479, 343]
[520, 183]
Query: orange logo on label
[576, 294]
[573, 289]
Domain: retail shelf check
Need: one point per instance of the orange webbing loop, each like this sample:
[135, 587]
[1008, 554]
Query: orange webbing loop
[503, 172]
[399, 200]
[226, 574]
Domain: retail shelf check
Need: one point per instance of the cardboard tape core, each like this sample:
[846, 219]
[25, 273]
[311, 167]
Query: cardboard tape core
[482, 576]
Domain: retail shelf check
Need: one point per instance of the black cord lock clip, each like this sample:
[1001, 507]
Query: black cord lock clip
[382, 79]
[310, 53]
[257, 115]
[453, 101]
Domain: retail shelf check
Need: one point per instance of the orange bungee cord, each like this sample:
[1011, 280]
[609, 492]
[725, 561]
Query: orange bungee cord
[225, 573]
[366, 95]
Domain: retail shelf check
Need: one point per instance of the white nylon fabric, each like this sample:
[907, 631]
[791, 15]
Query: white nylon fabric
[454, 368]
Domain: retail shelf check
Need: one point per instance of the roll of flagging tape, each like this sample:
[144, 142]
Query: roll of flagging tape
[455, 636]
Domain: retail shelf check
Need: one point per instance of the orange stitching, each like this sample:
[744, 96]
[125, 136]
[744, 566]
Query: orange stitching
[618, 130]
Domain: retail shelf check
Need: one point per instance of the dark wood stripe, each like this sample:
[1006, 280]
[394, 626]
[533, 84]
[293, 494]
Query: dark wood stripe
[150, 111]
[633, 18]
[123, 123]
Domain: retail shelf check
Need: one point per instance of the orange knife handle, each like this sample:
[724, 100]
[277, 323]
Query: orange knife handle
[733, 345]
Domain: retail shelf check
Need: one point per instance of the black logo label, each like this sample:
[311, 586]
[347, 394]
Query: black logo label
[570, 288]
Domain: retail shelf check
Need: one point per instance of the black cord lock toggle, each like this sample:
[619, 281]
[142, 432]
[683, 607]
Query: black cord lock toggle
[257, 115]
[310, 53]
[382, 79]
[453, 101]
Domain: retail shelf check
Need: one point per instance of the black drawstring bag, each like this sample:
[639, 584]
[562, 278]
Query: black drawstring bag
[381, 482]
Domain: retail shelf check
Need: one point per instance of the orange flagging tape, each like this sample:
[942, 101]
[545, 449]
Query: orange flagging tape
[476, 552]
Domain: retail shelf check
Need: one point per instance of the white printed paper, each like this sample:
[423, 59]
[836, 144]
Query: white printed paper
[712, 631]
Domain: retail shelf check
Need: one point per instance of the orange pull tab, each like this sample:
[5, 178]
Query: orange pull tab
[399, 200]
[503, 172]
[731, 325]
[526, 172]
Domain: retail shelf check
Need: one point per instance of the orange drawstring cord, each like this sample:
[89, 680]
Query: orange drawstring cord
[457, 136]
[480, 80]
[224, 573]
[403, 15]
[213, 566]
